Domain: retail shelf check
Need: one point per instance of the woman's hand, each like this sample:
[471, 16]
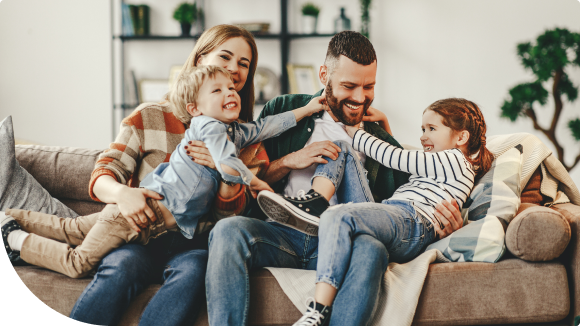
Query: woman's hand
[257, 185]
[199, 153]
[448, 213]
[133, 206]
[374, 115]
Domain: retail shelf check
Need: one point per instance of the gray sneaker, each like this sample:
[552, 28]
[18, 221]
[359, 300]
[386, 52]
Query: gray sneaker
[295, 211]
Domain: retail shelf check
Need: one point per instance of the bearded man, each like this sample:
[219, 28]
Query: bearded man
[238, 245]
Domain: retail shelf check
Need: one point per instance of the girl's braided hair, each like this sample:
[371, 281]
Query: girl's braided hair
[460, 114]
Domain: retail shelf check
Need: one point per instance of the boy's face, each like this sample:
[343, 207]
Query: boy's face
[436, 136]
[218, 99]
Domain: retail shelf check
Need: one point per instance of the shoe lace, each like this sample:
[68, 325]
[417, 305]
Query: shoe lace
[312, 317]
[302, 195]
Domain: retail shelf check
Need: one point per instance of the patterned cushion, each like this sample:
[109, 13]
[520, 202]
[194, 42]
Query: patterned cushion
[19, 189]
[493, 203]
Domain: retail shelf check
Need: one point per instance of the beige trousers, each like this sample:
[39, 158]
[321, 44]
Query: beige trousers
[51, 237]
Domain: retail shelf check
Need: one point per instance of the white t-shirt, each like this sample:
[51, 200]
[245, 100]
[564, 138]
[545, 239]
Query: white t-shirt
[325, 128]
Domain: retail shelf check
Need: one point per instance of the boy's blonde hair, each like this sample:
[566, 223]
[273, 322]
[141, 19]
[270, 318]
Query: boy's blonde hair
[186, 88]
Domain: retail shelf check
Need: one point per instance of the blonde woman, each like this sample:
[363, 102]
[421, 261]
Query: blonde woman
[147, 138]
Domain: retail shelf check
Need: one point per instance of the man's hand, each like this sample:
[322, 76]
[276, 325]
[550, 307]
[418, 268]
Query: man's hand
[311, 154]
[199, 153]
[448, 213]
[133, 206]
[257, 185]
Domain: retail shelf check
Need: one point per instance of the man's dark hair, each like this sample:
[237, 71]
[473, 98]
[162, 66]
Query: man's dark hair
[352, 45]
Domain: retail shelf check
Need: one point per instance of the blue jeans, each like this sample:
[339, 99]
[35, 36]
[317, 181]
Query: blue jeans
[394, 223]
[347, 174]
[239, 245]
[128, 270]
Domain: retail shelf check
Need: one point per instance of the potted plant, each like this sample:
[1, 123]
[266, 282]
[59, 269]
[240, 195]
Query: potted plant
[309, 18]
[365, 18]
[185, 14]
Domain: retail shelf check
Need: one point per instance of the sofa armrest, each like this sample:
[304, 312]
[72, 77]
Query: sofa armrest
[571, 256]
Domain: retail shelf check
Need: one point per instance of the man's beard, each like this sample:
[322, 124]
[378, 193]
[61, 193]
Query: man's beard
[341, 112]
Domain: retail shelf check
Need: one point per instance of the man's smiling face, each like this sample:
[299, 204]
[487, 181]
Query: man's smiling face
[350, 90]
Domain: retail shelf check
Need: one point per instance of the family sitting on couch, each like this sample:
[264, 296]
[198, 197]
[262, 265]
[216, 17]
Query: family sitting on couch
[343, 181]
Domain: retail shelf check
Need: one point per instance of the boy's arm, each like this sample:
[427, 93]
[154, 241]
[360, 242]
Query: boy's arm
[274, 125]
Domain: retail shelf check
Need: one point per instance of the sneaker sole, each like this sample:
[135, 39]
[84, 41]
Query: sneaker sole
[280, 210]
[273, 210]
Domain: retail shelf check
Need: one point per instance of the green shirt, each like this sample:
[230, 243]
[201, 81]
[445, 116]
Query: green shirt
[383, 181]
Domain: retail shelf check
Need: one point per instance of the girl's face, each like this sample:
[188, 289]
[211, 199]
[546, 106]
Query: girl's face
[436, 136]
[235, 55]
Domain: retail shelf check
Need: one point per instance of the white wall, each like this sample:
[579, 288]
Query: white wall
[55, 73]
[55, 58]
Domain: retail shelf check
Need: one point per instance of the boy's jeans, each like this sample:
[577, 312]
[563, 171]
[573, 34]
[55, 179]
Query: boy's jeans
[394, 223]
[93, 235]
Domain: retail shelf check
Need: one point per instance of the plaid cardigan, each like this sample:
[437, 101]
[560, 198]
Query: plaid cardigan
[147, 138]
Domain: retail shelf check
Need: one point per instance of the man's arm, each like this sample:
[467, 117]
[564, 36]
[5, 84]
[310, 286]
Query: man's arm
[301, 159]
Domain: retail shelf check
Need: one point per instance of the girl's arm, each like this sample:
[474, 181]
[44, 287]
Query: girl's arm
[444, 165]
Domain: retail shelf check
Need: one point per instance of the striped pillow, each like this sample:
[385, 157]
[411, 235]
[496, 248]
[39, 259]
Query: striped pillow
[492, 204]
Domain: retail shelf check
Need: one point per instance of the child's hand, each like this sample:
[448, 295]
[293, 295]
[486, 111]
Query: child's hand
[351, 130]
[257, 185]
[374, 115]
[317, 104]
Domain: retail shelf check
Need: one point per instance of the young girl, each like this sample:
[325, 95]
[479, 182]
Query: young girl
[454, 155]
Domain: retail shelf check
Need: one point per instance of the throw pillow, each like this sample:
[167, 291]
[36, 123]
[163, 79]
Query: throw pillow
[19, 189]
[492, 204]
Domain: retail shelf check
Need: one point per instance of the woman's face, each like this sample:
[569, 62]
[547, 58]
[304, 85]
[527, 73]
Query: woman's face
[235, 55]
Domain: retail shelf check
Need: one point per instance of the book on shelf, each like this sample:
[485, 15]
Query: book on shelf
[139, 15]
[127, 24]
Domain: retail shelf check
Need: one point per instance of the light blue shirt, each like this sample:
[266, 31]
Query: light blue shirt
[188, 189]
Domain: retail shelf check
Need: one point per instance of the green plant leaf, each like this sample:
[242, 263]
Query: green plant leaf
[310, 9]
[523, 97]
[185, 12]
[567, 88]
[574, 126]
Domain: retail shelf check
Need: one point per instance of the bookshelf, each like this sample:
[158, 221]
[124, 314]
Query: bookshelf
[284, 37]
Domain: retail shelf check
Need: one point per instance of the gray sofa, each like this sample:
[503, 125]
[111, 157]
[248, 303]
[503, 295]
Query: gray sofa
[512, 291]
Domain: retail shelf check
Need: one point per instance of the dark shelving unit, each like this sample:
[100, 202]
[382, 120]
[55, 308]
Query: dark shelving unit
[284, 37]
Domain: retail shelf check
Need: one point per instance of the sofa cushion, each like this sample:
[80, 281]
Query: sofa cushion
[510, 291]
[63, 171]
[18, 188]
[495, 198]
[538, 234]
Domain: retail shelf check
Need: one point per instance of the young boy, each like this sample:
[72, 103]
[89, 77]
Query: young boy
[208, 95]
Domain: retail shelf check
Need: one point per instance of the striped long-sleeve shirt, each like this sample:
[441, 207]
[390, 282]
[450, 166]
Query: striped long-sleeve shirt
[434, 176]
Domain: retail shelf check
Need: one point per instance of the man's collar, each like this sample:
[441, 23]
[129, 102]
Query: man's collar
[318, 115]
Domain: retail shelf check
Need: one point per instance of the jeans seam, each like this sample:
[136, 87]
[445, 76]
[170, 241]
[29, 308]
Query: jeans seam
[256, 240]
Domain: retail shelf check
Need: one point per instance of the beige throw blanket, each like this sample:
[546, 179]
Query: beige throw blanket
[402, 283]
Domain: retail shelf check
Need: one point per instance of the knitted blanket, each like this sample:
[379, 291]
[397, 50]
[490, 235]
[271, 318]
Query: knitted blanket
[402, 283]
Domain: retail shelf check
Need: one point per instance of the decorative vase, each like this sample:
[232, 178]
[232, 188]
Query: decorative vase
[185, 29]
[309, 24]
[342, 23]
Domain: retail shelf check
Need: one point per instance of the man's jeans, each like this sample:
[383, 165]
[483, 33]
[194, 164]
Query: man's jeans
[239, 245]
[127, 271]
[396, 224]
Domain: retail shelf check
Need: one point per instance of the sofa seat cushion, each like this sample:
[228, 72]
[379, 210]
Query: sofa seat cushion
[510, 291]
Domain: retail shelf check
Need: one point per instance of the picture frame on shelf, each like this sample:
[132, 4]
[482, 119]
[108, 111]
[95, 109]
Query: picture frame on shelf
[173, 74]
[153, 90]
[302, 79]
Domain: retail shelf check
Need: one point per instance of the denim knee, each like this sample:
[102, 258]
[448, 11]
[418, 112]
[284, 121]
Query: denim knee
[345, 146]
[230, 231]
[336, 214]
[129, 263]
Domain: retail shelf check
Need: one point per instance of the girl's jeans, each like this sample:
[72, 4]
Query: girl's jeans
[395, 223]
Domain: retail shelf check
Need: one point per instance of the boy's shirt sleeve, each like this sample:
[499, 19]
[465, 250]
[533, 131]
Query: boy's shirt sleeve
[268, 127]
[213, 134]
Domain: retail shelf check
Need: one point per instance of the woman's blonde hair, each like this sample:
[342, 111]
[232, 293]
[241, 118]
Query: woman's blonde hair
[186, 87]
[211, 39]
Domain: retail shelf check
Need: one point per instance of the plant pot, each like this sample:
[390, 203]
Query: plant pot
[185, 29]
[309, 24]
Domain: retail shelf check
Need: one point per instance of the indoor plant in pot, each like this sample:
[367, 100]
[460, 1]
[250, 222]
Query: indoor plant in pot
[309, 18]
[185, 14]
